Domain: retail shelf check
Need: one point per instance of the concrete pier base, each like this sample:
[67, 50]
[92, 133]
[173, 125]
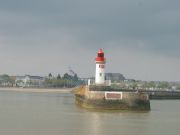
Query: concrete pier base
[104, 98]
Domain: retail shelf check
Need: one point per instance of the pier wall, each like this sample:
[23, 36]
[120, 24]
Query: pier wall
[89, 97]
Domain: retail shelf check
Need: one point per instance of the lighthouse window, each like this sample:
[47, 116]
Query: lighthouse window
[100, 55]
[101, 66]
[100, 74]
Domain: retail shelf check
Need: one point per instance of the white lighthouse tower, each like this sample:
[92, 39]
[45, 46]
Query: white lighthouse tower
[100, 68]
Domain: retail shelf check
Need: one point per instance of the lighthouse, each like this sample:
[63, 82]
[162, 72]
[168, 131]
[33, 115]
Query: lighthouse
[100, 68]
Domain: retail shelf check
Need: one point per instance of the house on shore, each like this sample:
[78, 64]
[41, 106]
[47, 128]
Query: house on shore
[114, 77]
[29, 81]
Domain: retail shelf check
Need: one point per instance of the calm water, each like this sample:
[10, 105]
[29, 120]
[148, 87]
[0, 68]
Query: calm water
[56, 114]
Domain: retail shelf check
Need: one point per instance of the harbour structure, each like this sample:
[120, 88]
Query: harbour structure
[99, 94]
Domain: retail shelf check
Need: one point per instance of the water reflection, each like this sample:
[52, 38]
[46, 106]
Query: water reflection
[95, 124]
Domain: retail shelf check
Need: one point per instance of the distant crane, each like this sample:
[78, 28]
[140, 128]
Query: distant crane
[79, 80]
[71, 71]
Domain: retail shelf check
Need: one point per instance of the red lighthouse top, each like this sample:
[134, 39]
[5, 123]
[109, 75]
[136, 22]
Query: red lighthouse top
[100, 56]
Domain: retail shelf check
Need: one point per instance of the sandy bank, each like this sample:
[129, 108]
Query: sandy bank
[58, 90]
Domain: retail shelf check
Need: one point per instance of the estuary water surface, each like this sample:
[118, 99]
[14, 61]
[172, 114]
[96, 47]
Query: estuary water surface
[56, 114]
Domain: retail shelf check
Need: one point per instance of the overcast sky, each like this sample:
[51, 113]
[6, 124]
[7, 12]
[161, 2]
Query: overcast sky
[140, 38]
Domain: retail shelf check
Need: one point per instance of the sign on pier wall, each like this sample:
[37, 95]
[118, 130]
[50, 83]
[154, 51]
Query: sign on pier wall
[109, 95]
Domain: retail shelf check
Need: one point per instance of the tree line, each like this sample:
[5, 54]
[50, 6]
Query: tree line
[65, 81]
[6, 80]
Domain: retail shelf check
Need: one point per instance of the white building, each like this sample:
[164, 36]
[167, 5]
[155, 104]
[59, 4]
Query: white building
[29, 81]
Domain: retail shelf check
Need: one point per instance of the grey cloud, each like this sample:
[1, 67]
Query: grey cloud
[141, 28]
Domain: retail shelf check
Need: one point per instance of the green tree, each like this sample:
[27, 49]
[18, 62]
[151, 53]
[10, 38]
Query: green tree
[67, 76]
[6, 78]
[48, 82]
[152, 84]
[134, 85]
[75, 78]
[58, 77]
[178, 88]
[50, 76]
[163, 85]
